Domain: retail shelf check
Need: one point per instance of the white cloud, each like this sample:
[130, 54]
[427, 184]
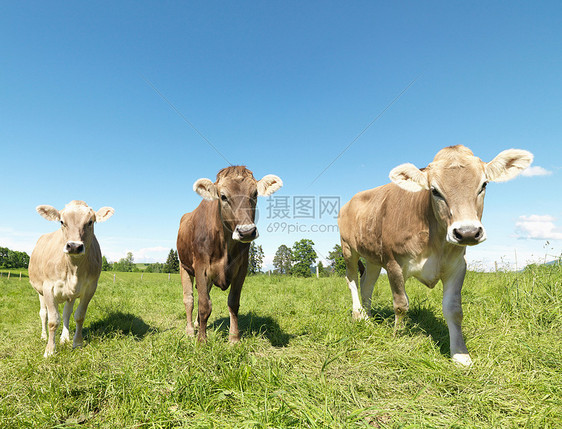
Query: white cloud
[535, 171]
[538, 227]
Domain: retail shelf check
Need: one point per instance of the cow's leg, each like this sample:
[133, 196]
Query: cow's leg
[187, 285]
[351, 260]
[80, 313]
[368, 280]
[204, 304]
[234, 303]
[452, 311]
[66, 312]
[53, 319]
[399, 297]
[43, 316]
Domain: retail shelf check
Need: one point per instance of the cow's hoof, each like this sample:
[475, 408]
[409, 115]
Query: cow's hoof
[64, 339]
[233, 339]
[48, 353]
[190, 331]
[359, 315]
[462, 360]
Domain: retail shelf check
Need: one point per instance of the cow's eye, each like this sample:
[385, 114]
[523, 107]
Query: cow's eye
[224, 198]
[62, 223]
[90, 223]
[483, 187]
[436, 193]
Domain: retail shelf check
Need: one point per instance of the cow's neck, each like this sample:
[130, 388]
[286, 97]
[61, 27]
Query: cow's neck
[76, 263]
[233, 247]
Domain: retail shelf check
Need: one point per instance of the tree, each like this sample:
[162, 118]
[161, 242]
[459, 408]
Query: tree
[105, 266]
[282, 260]
[13, 258]
[337, 263]
[255, 259]
[157, 267]
[303, 258]
[125, 264]
[172, 264]
[322, 271]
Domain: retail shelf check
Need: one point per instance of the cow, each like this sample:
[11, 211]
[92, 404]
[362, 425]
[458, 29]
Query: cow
[65, 265]
[214, 240]
[419, 226]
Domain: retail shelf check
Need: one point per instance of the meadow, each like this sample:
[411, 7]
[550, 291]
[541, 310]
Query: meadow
[302, 361]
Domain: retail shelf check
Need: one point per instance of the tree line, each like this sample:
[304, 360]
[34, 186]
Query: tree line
[298, 260]
[13, 259]
[127, 264]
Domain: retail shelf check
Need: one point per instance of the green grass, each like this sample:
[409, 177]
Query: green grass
[302, 361]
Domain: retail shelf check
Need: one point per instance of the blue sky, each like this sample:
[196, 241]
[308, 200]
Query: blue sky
[282, 87]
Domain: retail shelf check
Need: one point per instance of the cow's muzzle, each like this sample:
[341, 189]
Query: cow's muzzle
[466, 233]
[74, 248]
[245, 233]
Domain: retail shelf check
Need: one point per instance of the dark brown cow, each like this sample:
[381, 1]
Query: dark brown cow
[419, 226]
[214, 240]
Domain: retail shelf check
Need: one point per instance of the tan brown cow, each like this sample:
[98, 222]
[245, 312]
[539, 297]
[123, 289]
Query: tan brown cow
[214, 240]
[419, 226]
[65, 265]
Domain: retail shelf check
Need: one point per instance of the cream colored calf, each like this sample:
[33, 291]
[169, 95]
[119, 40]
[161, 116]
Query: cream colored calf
[64, 266]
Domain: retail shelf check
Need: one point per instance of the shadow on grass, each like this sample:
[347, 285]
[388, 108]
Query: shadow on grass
[251, 323]
[118, 322]
[418, 320]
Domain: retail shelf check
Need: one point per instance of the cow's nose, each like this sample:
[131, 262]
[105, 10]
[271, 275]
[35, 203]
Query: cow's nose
[468, 234]
[247, 232]
[74, 247]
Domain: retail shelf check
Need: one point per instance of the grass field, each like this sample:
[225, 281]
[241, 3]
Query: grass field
[302, 361]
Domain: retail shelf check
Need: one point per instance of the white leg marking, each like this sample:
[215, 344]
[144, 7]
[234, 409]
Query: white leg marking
[452, 311]
[43, 316]
[358, 311]
[462, 359]
[66, 312]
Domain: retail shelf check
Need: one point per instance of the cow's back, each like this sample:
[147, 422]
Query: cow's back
[386, 222]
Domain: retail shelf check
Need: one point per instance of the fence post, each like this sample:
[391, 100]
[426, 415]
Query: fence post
[20, 275]
[169, 276]
[9, 275]
[317, 272]
[142, 274]
[113, 277]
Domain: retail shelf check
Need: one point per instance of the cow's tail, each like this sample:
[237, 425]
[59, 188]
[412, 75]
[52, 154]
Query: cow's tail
[361, 268]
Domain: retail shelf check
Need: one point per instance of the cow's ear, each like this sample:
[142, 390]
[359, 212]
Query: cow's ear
[508, 164]
[104, 213]
[269, 184]
[409, 177]
[48, 212]
[206, 189]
